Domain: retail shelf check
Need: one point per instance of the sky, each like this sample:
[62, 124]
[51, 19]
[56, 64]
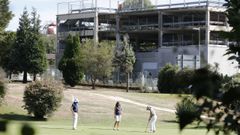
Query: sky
[47, 9]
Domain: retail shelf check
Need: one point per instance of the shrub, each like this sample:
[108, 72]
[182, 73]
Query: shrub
[186, 112]
[2, 86]
[207, 82]
[166, 79]
[184, 80]
[42, 98]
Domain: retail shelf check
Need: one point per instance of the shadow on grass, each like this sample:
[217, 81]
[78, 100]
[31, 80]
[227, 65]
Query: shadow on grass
[102, 129]
[197, 127]
[19, 117]
[121, 130]
[170, 121]
[57, 128]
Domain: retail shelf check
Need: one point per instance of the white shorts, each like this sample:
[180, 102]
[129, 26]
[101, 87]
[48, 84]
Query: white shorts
[118, 117]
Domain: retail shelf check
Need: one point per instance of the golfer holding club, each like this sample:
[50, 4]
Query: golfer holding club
[117, 115]
[74, 110]
[152, 120]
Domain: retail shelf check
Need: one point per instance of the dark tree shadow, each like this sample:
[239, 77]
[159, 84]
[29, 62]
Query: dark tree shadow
[170, 121]
[101, 128]
[57, 128]
[121, 130]
[19, 117]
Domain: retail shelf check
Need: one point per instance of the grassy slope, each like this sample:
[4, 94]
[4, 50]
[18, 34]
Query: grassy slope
[96, 115]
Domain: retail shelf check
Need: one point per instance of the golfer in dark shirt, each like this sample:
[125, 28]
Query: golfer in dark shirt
[117, 115]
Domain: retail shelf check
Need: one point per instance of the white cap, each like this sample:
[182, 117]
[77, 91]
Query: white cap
[75, 100]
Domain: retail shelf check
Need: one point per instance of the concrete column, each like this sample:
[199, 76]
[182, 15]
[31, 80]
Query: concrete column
[117, 29]
[96, 27]
[207, 38]
[160, 31]
[228, 28]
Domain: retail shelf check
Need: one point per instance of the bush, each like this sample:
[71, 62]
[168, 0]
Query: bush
[184, 80]
[207, 82]
[167, 79]
[2, 86]
[42, 98]
[186, 112]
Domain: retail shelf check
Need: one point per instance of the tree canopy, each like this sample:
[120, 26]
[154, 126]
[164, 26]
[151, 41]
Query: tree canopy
[233, 15]
[70, 64]
[28, 55]
[97, 60]
[5, 14]
[137, 4]
[125, 57]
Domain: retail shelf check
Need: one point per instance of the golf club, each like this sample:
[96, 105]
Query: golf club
[146, 127]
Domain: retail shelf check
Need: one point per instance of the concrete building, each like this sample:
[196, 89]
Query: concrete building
[186, 34]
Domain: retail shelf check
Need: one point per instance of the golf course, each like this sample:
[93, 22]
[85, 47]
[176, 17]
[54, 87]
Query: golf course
[96, 113]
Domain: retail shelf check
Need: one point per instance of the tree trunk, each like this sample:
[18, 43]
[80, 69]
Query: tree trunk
[127, 81]
[10, 75]
[93, 80]
[24, 77]
[34, 77]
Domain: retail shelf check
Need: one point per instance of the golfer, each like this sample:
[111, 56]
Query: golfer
[117, 115]
[152, 119]
[74, 110]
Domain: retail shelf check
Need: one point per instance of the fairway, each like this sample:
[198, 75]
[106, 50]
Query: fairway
[96, 113]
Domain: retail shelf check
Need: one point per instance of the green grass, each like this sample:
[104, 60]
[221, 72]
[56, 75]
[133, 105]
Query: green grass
[60, 127]
[96, 116]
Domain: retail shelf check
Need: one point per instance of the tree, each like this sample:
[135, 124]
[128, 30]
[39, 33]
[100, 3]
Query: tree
[70, 64]
[5, 15]
[28, 54]
[220, 114]
[5, 46]
[125, 58]
[97, 60]
[50, 42]
[38, 58]
[137, 4]
[167, 79]
[233, 15]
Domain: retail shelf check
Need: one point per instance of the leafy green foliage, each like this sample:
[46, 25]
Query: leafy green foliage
[217, 101]
[206, 82]
[27, 130]
[97, 60]
[5, 14]
[167, 79]
[38, 59]
[125, 58]
[70, 64]
[184, 80]
[186, 112]
[233, 15]
[136, 4]
[28, 54]
[5, 46]
[42, 98]
[3, 126]
[50, 43]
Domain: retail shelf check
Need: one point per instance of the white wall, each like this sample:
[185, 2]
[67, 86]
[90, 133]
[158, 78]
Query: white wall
[216, 55]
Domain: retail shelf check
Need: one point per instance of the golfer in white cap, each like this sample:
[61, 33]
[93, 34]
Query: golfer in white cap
[152, 119]
[74, 110]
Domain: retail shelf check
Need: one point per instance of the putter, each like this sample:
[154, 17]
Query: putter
[146, 127]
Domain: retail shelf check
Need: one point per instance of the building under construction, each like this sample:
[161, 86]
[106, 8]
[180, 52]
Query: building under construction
[186, 34]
